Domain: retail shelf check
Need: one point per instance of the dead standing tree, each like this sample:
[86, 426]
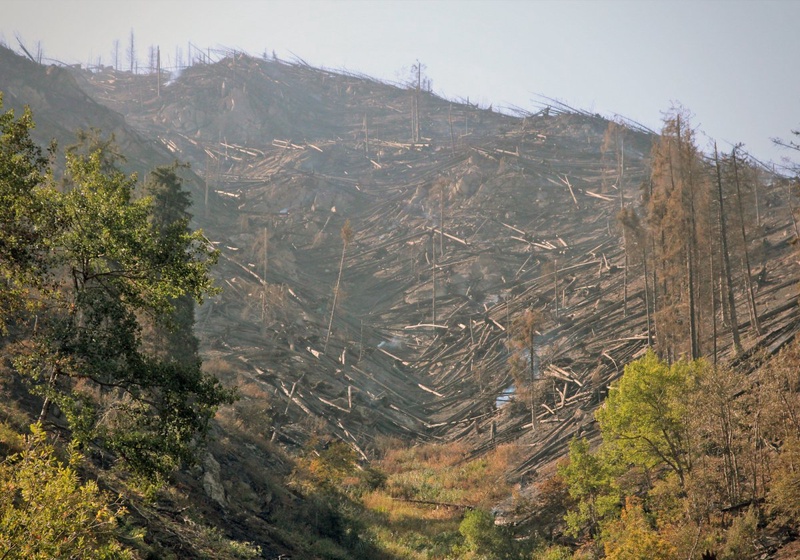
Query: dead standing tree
[347, 237]
[419, 83]
[523, 360]
[751, 300]
[726, 261]
[614, 144]
[635, 237]
[674, 206]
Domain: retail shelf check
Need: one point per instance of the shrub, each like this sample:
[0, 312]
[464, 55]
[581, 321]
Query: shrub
[46, 512]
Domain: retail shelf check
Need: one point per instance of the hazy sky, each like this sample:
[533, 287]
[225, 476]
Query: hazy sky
[734, 64]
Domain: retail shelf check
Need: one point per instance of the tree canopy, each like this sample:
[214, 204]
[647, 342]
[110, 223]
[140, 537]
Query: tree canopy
[116, 264]
[645, 413]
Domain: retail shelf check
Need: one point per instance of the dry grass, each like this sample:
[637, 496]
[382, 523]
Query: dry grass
[432, 456]
[440, 473]
[436, 473]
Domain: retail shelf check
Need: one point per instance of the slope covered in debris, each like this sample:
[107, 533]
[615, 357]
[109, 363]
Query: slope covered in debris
[462, 219]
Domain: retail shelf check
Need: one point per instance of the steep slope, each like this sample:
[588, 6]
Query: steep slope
[500, 213]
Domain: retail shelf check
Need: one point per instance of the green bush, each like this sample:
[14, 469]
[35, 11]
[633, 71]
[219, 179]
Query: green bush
[483, 538]
[46, 512]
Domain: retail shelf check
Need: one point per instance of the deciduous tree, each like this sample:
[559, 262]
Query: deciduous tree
[645, 413]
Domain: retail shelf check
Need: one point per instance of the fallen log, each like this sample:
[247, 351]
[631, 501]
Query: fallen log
[432, 503]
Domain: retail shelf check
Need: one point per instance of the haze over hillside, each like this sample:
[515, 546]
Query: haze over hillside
[381, 246]
[610, 57]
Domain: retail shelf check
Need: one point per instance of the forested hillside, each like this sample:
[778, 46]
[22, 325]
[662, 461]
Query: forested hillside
[278, 310]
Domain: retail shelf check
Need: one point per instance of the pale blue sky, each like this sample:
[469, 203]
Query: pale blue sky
[734, 64]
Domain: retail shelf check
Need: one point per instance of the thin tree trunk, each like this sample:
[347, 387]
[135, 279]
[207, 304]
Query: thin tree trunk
[441, 220]
[621, 174]
[713, 307]
[791, 207]
[625, 275]
[158, 71]
[366, 135]
[335, 297]
[749, 275]
[555, 284]
[655, 288]
[433, 268]
[726, 261]
[691, 248]
[646, 293]
[692, 319]
[452, 136]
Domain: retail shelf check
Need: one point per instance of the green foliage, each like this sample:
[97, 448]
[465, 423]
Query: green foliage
[740, 538]
[174, 337]
[122, 269]
[46, 512]
[325, 468]
[483, 538]
[590, 478]
[110, 243]
[554, 552]
[783, 498]
[645, 413]
[26, 215]
[101, 265]
[632, 537]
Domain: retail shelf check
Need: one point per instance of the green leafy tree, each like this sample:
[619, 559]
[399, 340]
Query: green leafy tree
[590, 478]
[26, 216]
[173, 334]
[47, 512]
[632, 536]
[484, 539]
[644, 416]
[114, 264]
[123, 268]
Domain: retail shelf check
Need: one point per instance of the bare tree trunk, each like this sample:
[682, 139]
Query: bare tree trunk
[132, 53]
[692, 306]
[205, 198]
[347, 234]
[433, 268]
[646, 292]
[452, 136]
[555, 283]
[441, 220]
[713, 307]
[791, 207]
[158, 71]
[625, 275]
[748, 273]
[655, 288]
[726, 260]
[621, 174]
[691, 246]
[366, 135]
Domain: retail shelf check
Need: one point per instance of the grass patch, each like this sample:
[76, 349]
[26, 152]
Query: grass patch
[439, 473]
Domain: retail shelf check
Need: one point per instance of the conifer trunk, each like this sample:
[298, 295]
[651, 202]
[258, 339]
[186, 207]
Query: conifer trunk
[726, 260]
